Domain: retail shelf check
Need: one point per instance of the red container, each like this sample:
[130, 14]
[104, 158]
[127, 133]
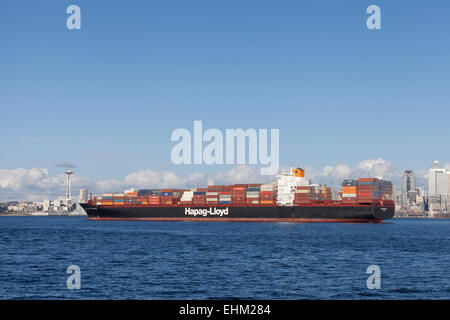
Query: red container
[368, 179]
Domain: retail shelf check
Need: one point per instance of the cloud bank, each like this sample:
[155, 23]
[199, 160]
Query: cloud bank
[37, 184]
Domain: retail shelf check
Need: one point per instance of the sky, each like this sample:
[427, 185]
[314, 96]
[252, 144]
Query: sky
[106, 98]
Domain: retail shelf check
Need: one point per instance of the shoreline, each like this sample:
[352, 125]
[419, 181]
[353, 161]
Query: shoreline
[41, 215]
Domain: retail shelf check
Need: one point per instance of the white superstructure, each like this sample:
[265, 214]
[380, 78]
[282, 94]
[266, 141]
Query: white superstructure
[287, 184]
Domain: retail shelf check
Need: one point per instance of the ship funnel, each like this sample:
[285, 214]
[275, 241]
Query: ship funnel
[298, 172]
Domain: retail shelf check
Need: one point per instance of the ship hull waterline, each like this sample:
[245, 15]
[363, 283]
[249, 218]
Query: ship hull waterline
[306, 214]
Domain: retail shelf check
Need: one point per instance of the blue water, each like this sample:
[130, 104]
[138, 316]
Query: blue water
[213, 260]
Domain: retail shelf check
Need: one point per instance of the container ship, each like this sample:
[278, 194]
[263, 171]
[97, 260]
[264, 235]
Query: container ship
[292, 198]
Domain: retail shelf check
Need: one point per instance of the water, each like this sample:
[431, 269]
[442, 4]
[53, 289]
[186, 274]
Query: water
[210, 260]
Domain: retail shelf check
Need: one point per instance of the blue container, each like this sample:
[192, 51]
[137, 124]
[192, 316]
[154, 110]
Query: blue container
[144, 192]
[199, 193]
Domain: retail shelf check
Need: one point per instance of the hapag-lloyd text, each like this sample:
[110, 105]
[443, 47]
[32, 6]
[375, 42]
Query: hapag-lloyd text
[206, 212]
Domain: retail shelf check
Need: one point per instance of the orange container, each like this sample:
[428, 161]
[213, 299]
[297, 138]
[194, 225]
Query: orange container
[348, 189]
[299, 172]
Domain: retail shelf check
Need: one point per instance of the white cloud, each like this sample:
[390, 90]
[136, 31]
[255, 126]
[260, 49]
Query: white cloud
[37, 183]
[333, 176]
[378, 168]
[163, 179]
[27, 183]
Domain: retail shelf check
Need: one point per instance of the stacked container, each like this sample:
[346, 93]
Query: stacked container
[326, 193]
[225, 194]
[267, 194]
[187, 197]
[349, 190]
[368, 189]
[154, 200]
[315, 193]
[239, 195]
[199, 197]
[113, 199]
[212, 195]
[302, 194]
[166, 198]
[253, 194]
[131, 199]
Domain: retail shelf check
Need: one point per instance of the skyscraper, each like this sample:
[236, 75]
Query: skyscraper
[83, 196]
[437, 180]
[437, 188]
[408, 181]
[448, 190]
[408, 186]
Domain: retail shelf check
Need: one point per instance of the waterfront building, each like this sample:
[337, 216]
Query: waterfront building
[83, 196]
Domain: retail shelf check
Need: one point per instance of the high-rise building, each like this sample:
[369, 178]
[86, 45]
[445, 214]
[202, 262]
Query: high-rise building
[408, 181]
[437, 188]
[83, 196]
[437, 180]
[408, 186]
[448, 190]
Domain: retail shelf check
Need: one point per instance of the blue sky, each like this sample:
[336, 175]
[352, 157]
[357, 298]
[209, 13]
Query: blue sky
[107, 97]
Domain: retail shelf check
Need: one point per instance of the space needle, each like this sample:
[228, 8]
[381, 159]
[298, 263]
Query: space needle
[69, 173]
